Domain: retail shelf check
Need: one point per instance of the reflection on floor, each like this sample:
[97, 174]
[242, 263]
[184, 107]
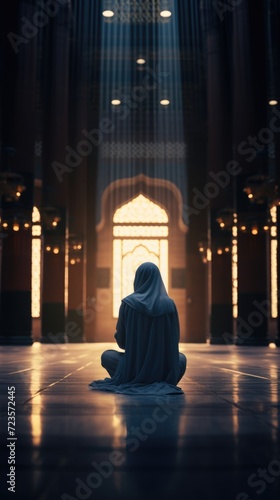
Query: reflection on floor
[219, 441]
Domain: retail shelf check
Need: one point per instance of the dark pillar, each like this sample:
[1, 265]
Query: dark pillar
[248, 119]
[55, 189]
[197, 286]
[18, 118]
[218, 187]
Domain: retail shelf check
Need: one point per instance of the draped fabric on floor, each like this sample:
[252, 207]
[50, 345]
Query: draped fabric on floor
[148, 329]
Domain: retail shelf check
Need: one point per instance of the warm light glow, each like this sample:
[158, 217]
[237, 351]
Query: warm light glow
[141, 61]
[273, 102]
[201, 249]
[140, 209]
[36, 264]
[36, 230]
[273, 264]
[273, 214]
[48, 249]
[56, 250]
[36, 278]
[164, 102]
[243, 228]
[72, 262]
[36, 404]
[250, 196]
[54, 223]
[140, 231]
[209, 255]
[272, 345]
[166, 13]
[26, 225]
[219, 251]
[5, 225]
[222, 224]
[108, 13]
[265, 228]
[139, 244]
[18, 194]
[16, 227]
[115, 102]
[234, 271]
[255, 231]
[227, 250]
[36, 217]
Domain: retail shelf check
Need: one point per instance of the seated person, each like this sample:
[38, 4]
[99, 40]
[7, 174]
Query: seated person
[148, 330]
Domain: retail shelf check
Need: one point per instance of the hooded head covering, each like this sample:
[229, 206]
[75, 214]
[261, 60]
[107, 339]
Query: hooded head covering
[150, 296]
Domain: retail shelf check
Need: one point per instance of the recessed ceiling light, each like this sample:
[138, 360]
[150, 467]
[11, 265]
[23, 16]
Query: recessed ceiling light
[164, 102]
[116, 102]
[108, 13]
[273, 102]
[140, 61]
[166, 13]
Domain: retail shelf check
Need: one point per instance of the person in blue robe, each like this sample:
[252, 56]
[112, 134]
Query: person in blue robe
[148, 330]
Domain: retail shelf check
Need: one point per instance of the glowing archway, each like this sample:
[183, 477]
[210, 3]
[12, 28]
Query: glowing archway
[140, 234]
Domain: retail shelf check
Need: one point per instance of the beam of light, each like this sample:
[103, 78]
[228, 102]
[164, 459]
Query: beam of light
[141, 95]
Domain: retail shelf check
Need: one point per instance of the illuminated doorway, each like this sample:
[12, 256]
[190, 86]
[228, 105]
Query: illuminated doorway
[140, 234]
[140, 220]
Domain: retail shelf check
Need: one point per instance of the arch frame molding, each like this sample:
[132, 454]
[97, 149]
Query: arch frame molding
[120, 192]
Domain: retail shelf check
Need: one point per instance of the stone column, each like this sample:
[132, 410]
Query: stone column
[18, 124]
[55, 188]
[248, 119]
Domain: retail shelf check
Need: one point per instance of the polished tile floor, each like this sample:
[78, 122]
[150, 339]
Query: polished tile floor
[219, 441]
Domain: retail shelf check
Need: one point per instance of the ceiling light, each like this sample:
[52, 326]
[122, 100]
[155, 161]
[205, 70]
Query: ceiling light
[164, 102]
[108, 13]
[140, 61]
[115, 102]
[166, 13]
[273, 102]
